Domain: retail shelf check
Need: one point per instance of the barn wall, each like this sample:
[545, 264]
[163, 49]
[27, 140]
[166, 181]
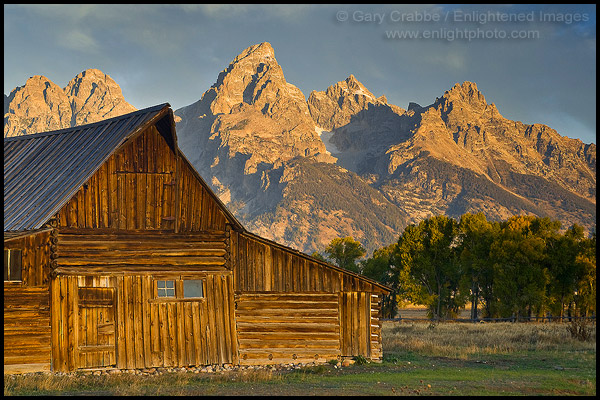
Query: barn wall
[287, 327]
[142, 330]
[198, 211]
[93, 252]
[27, 308]
[140, 187]
[133, 189]
[263, 266]
[343, 308]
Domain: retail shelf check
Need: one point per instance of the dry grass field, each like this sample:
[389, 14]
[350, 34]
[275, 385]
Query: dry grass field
[420, 358]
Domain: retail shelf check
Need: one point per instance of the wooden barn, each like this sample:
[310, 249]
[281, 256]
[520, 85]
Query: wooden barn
[117, 254]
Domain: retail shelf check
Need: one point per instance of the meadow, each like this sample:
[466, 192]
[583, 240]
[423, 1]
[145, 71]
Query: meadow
[420, 358]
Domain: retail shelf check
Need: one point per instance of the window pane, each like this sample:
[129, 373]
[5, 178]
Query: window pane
[165, 288]
[15, 264]
[193, 288]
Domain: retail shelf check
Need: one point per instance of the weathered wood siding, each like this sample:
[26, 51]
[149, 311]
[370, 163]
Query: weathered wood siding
[355, 323]
[260, 265]
[148, 331]
[97, 252]
[27, 308]
[143, 186]
[275, 284]
[198, 211]
[35, 258]
[287, 327]
[26, 329]
[133, 189]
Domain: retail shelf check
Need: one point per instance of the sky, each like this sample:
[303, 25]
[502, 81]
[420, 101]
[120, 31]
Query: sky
[537, 63]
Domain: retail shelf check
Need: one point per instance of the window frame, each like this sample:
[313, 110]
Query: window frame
[179, 288]
[166, 289]
[16, 254]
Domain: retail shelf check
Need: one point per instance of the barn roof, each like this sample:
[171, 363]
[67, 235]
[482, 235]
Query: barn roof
[43, 171]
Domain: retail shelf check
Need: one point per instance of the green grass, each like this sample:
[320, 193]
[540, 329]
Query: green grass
[450, 359]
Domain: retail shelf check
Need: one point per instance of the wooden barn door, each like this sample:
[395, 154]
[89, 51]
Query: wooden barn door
[96, 324]
[355, 324]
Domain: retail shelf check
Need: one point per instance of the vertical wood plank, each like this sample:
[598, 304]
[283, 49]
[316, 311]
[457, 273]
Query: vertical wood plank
[120, 321]
[204, 331]
[130, 199]
[196, 333]
[164, 336]
[219, 322]
[129, 318]
[137, 322]
[121, 191]
[181, 358]
[146, 317]
[55, 324]
[211, 327]
[113, 215]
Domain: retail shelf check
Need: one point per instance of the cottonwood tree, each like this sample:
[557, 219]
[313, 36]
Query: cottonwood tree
[344, 252]
[429, 272]
[475, 237]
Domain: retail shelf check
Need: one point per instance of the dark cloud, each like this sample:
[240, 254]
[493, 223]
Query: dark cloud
[174, 53]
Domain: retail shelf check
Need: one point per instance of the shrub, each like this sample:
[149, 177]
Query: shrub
[360, 360]
[580, 329]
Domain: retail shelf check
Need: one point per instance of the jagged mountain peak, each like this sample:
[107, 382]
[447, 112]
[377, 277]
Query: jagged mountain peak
[465, 93]
[93, 96]
[262, 50]
[339, 103]
[349, 87]
[41, 105]
[251, 113]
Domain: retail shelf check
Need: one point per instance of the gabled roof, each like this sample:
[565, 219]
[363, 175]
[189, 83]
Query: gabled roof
[43, 171]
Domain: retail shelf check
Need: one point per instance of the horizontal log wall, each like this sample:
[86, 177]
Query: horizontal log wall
[27, 308]
[88, 252]
[26, 329]
[284, 327]
[150, 332]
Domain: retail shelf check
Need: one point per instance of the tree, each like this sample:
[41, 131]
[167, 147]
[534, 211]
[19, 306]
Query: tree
[564, 268]
[429, 270]
[380, 268]
[519, 256]
[586, 287]
[475, 237]
[344, 252]
[318, 256]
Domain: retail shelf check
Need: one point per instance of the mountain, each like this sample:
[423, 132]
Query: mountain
[41, 105]
[343, 162]
[252, 135]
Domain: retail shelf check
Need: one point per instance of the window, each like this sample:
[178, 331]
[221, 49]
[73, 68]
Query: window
[12, 265]
[165, 288]
[179, 288]
[193, 288]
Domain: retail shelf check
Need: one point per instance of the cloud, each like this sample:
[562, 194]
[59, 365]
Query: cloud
[267, 11]
[79, 41]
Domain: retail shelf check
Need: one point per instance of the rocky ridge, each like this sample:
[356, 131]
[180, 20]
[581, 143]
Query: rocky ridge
[343, 162]
[41, 105]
